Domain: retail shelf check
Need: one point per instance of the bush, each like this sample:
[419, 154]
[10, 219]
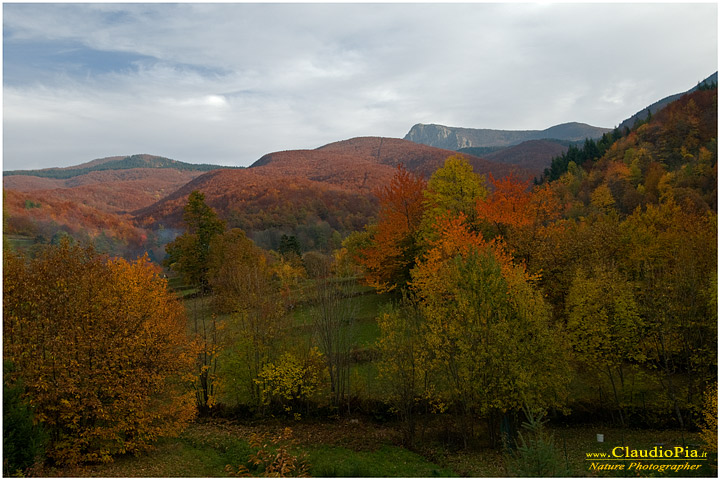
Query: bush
[273, 458]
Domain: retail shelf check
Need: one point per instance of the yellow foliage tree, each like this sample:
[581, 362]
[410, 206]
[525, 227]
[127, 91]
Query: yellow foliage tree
[101, 347]
[488, 328]
[452, 190]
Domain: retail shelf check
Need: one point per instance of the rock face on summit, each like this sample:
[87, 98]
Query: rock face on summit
[454, 138]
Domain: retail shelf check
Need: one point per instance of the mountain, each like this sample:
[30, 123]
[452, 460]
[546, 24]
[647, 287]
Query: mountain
[313, 194]
[660, 104]
[93, 199]
[112, 184]
[534, 155]
[114, 163]
[454, 138]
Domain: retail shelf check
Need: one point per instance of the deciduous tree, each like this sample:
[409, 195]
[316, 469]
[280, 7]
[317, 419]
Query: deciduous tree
[395, 241]
[488, 327]
[244, 288]
[453, 189]
[101, 347]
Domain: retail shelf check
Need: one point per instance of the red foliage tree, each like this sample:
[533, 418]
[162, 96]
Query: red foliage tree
[395, 242]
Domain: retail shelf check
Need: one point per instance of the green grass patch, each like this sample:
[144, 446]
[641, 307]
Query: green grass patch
[387, 461]
[19, 242]
[201, 451]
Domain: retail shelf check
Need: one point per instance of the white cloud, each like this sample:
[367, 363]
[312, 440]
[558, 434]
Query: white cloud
[227, 83]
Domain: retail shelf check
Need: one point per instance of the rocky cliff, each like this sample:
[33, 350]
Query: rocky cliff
[454, 138]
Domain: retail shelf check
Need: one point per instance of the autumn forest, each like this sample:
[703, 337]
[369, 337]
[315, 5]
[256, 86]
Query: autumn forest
[373, 301]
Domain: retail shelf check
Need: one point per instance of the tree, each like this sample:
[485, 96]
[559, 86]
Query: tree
[101, 348]
[518, 215]
[239, 275]
[709, 429]
[207, 332]
[604, 325]
[332, 317]
[453, 189]
[22, 439]
[488, 328]
[289, 246]
[188, 254]
[395, 240]
[670, 251]
[403, 367]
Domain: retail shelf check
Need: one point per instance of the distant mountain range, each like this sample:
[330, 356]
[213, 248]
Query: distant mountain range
[455, 138]
[332, 175]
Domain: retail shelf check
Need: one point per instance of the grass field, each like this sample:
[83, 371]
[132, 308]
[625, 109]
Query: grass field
[360, 448]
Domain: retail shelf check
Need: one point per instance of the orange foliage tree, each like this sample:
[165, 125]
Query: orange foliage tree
[101, 347]
[395, 242]
[518, 214]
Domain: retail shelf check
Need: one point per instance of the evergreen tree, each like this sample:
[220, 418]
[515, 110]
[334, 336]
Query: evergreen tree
[188, 254]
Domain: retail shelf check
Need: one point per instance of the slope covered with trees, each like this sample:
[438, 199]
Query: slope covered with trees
[318, 196]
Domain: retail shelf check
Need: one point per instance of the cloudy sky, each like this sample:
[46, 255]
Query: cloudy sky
[227, 83]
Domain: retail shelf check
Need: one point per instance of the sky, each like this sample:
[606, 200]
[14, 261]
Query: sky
[227, 83]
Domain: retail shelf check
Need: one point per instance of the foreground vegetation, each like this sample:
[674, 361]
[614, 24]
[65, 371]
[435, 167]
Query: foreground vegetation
[363, 449]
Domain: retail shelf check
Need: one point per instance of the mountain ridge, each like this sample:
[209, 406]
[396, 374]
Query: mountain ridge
[347, 168]
[455, 138]
[113, 163]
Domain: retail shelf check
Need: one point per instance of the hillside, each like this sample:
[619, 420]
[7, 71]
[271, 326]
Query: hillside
[309, 193]
[114, 163]
[455, 138]
[534, 155]
[112, 184]
[660, 104]
[419, 159]
[674, 155]
[92, 200]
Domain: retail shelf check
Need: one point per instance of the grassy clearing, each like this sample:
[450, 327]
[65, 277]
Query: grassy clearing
[386, 461]
[205, 448]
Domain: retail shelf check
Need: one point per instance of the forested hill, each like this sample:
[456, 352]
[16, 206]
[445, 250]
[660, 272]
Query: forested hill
[312, 194]
[115, 163]
[660, 104]
[672, 155]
